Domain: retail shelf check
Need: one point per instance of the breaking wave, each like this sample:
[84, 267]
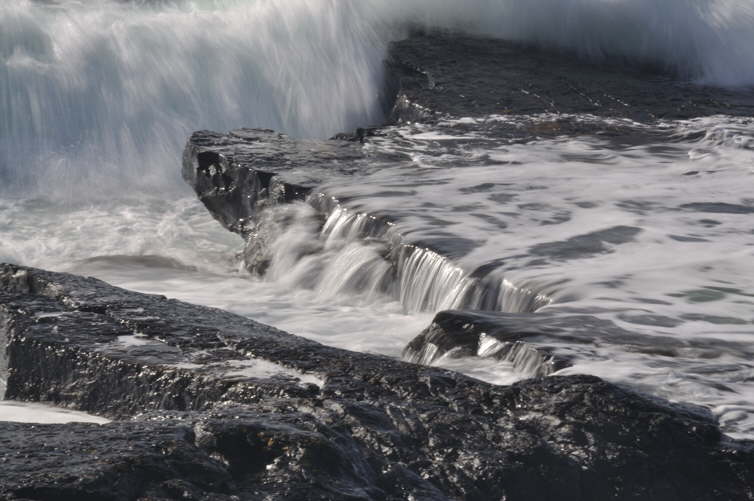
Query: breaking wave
[97, 94]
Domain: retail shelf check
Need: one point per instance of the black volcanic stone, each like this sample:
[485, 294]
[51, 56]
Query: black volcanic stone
[193, 427]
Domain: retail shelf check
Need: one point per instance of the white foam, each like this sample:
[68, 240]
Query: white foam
[163, 235]
[28, 412]
[135, 340]
[255, 368]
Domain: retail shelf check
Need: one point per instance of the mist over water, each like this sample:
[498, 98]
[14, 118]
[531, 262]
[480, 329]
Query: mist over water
[98, 95]
[95, 96]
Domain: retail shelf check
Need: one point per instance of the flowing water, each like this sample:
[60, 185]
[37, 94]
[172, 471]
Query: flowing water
[654, 237]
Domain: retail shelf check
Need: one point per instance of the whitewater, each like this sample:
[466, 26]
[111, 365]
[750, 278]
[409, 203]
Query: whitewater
[98, 98]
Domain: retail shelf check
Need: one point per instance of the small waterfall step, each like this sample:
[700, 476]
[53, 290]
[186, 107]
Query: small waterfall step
[521, 340]
[244, 177]
[543, 343]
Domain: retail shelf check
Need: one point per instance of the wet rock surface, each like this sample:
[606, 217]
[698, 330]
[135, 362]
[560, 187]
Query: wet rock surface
[237, 174]
[440, 74]
[545, 342]
[521, 340]
[216, 406]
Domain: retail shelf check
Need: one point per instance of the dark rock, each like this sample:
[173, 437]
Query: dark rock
[545, 342]
[238, 173]
[488, 335]
[444, 74]
[231, 409]
[118, 461]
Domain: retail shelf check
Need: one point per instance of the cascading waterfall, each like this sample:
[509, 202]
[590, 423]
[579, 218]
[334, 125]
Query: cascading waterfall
[428, 282]
[355, 252]
[524, 359]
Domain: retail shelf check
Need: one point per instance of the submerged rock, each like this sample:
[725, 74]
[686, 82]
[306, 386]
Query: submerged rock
[542, 343]
[517, 339]
[217, 406]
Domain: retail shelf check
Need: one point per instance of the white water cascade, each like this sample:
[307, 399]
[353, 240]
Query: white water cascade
[355, 252]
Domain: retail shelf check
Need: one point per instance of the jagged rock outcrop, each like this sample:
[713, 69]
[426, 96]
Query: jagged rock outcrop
[237, 174]
[215, 406]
